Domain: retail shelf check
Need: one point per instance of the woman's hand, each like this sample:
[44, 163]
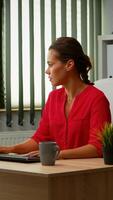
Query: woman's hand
[25, 147]
[32, 154]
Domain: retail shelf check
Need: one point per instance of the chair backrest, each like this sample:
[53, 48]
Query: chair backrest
[106, 85]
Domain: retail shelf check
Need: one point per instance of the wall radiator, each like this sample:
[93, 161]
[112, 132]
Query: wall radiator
[14, 137]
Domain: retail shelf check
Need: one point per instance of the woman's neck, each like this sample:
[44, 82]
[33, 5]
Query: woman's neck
[73, 88]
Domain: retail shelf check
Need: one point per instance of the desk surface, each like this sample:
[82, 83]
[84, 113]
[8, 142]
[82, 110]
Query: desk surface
[61, 167]
[79, 179]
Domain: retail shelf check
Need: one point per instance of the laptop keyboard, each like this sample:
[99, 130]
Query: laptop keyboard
[19, 158]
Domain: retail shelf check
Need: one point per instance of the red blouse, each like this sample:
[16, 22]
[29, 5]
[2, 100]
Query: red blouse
[88, 115]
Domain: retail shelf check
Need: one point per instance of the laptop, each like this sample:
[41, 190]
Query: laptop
[19, 158]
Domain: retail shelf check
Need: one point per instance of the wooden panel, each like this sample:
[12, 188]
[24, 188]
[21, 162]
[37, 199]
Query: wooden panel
[23, 187]
[89, 186]
[66, 187]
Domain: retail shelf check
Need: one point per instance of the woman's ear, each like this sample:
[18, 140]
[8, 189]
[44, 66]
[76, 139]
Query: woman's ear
[70, 65]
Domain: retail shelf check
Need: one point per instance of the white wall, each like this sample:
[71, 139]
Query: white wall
[107, 17]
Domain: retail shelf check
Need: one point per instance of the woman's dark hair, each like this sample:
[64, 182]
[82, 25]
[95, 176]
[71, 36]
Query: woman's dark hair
[70, 48]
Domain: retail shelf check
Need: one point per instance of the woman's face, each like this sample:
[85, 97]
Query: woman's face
[56, 70]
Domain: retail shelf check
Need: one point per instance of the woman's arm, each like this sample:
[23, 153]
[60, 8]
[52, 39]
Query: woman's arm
[87, 151]
[31, 145]
[25, 147]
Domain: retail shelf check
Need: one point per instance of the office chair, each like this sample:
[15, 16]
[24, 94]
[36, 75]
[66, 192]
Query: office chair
[106, 85]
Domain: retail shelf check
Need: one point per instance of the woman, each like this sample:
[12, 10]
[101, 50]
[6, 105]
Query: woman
[73, 114]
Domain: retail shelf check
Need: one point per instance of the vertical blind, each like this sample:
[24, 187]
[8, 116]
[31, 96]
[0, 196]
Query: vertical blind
[29, 28]
[1, 69]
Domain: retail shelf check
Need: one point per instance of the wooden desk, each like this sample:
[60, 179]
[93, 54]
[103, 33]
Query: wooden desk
[81, 179]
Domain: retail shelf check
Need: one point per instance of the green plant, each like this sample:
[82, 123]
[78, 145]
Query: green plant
[107, 136]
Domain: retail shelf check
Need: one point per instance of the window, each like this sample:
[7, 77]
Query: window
[29, 27]
[14, 46]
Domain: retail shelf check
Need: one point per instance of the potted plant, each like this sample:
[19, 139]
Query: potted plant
[107, 141]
